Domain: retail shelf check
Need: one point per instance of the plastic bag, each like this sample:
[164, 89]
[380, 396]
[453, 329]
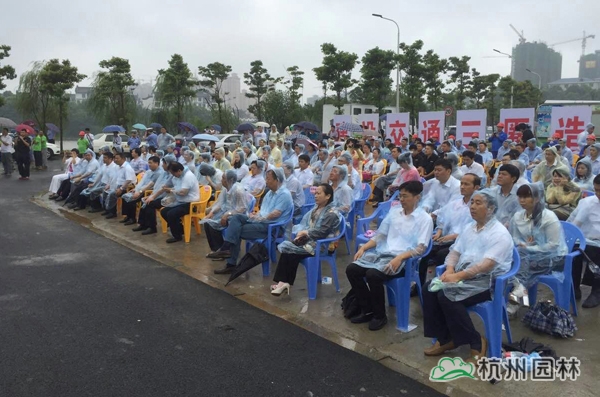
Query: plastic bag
[169, 200]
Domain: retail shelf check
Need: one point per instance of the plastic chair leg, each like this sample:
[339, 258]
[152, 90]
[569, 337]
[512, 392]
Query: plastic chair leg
[506, 323]
[573, 302]
[493, 331]
[348, 237]
[163, 223]
[312, 277]
[197, 225]
[187, 228]
[402, 286]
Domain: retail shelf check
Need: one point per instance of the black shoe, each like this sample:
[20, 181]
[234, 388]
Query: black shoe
[413, 290]
[577, 294]
[104, 213]
[139, 229]
[225, 270]
[173, 240]
[78, 209]
[352, 311]
[60, 198]
[377, 323]
[130, 222]
[111, 216]
[592, 301]
[94, 210]
[219, 254]
[124, 220]
[148, 231]
[362, 318]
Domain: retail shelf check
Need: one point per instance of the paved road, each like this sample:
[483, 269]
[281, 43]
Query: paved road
[85, 316]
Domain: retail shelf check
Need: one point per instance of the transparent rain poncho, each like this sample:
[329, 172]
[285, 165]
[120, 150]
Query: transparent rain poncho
[234, 199]
[398, 233]
[343, 196]
[585, 182]
[456, 172]
[482, 254]
[319, 225]
[539, 238]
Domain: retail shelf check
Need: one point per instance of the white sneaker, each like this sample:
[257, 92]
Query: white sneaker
[512, 309]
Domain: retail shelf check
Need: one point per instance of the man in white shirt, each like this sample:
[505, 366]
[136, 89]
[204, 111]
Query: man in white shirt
[587, 218]
[581, 137]
[304, 174]
[254, 182]
[186, 190]
[258, 135]
[442, 189]
[471, 167]
[294, 186]
[6, 150]
[124, 177]
[506, 193]
[345, 160]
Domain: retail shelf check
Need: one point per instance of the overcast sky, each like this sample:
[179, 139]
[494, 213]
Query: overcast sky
[283, 33]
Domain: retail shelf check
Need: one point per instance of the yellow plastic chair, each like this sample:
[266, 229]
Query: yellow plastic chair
[374, 178]
[575, 159]
[257, 197]
[197, 213]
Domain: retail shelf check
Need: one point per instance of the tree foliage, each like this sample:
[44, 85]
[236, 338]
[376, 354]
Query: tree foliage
[281, 108]
[7, 72]
[460, 76]
[295, 83]
[435, 67]
[412, 87]
[335, 73]
[214, 74]
[375, 83]
[175, 87]
[111, 99]
[524, 94]
[33, 100]
[259, 82]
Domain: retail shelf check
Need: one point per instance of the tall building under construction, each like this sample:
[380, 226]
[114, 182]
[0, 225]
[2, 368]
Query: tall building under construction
[538, 58]
[589, 66]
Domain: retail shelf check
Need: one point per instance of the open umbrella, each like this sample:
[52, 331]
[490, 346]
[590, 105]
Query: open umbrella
[245, 127]
[8, 123]
[205, 137]
[350, 127]
[256, 255]
[216, 127]
[113, 128]
[184, 125]
[25, 127]
[305, 141]
[30, 123]
[156, 126]
[53, 127]
[140, 127]
[262, 124]
[308, 126]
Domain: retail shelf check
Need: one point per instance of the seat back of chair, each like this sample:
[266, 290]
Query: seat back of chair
[573, 235]
[366, 191]
[309, 197]
[501, 285]
[140, 176]
[205, 193]
[251, 205]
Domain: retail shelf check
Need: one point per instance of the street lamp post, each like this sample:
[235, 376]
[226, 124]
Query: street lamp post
[397, 62]
[539, 78]
[512, 62]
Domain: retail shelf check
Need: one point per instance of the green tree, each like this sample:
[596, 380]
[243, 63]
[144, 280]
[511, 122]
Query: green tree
[175, 86]
[413, 89]
[483, 92]
[111, 100]
[336, 72]
[259, 82]
[214, 75]
[33, 100]
[281, 108]
[295, 83]
[434, 85]
[58, 77]
[375, 83]
[7, 72]
[523, 93]
[460, 76]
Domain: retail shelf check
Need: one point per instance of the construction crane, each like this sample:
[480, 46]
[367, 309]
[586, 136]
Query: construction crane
[582, 39]
[522, 38]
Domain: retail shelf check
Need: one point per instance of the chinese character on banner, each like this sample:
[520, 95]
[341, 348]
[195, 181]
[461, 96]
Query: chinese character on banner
[369, 121]
[471, 124]
[431, 125]
[512, 117]
[569, 121]
[339, 119]
[397, 126]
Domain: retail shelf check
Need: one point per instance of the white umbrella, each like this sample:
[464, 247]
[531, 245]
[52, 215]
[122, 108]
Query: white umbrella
[262, 124]
[8, 123]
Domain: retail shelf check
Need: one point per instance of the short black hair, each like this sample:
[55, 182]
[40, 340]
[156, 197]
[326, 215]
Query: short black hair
[5, 129]
[152, 149]
[443, 163]
[472, 144]
[597, 180]
[328, 190]
[109, 155]
[469, 154]
[75, 150]
[514, 154]
[138, 151]
[412, 147]
[87, 129]
[154, 159]
[512, 171]
[377, 150]
[413, 187]
[431, 145]
[122, 155]
[476, 178]
[176, 166]
[304, 157]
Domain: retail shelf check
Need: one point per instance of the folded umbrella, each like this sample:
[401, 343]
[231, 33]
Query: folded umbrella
[245, 127]
[184, 125]
[25, 127]
[52, 127]
[205, 137]
[113, 128]
[140, 127]
[257, 254]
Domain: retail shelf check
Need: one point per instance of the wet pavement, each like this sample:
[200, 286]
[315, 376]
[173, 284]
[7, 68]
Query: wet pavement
[402, 352]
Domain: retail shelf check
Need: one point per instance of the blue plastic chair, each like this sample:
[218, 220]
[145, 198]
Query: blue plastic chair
[275, 235]
[399, 291]
[309, 198]
[564, 291]
[493, 312]
[359, 205]
[313, 264]
[362, 225]
[528, 175]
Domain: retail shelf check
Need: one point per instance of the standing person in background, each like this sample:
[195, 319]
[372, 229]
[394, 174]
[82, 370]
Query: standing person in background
[582, 136]
[44, 152]
[164, 139]
[151, 138]
[50, 136]
[117, 142]
[134, 141]
[90, 138]
[37, 149]
[22, 154]
[82, 143]
[497, 139]
[7, 151]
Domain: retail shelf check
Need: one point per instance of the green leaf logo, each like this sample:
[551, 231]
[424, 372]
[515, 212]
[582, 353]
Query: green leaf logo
[451, 368]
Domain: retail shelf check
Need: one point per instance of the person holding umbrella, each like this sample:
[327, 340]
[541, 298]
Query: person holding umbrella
[321, 222]
[22, 154]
